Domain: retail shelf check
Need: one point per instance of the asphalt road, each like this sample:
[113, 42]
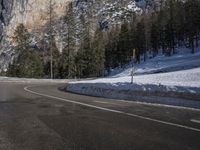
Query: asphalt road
[40, 117]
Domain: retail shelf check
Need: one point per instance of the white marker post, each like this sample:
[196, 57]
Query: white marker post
[132, 73]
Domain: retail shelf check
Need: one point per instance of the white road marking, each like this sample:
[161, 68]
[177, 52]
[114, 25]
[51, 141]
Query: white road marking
[195, 120]
[112, 110]
[102, 102]
[160, 105]
[124, 101]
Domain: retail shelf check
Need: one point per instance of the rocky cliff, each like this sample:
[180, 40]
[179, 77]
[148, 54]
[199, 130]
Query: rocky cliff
[34, 14]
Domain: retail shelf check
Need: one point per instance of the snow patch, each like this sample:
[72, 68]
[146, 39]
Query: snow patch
[180, 80]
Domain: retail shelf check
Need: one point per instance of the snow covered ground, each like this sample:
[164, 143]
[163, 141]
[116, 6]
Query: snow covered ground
[180, 61]
[163, 80]
[186, 78]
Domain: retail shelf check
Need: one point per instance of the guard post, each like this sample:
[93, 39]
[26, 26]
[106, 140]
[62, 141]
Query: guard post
[132, 73]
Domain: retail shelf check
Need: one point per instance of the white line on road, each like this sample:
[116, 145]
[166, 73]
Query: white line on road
[112, 110]
[195, 121]
[102, 102]
[160, 105]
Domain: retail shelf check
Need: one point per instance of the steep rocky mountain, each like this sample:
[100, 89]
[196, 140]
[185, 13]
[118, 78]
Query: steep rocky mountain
[34, 14]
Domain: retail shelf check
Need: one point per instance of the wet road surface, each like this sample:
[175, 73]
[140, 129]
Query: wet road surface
[41, 117]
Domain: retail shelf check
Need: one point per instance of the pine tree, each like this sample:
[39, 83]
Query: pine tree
[98, 47]
[171, 25]
[27, 61]
[111, 60]
[21, 39]
[192, 21]
[179, 24]
[68, 54]
[155, 38]
[132, 35]
[123, 48]
[162, 21]
[30, 65]
[84, 56]
[56, 58]
[140, 40]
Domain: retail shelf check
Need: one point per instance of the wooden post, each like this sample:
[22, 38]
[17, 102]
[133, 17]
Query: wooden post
[132, 73]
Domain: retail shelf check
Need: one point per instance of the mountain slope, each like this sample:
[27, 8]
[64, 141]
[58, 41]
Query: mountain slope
[34, 14]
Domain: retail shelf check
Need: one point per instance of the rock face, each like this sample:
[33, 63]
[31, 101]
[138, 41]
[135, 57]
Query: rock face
[5, 16]
[34, 14]
[5, 12]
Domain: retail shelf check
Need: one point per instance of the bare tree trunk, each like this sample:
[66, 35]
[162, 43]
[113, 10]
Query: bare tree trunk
[197, 40]
[192, 44]
[50, 21]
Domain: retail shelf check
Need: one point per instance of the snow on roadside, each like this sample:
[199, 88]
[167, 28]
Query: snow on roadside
[148, 79]
[180, 88]
[180, 81]
[173, 88]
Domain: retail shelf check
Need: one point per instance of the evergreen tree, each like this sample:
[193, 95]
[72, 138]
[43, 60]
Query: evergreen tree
[29, 65]
[162, 21]
[111, 60]
[68, 54]
[132, 35]
[171, 25]
[55, 60]
[179, 22]
[98, 48]
[21, 39]
[155, 38]
[123, 48]
[27, 62]
[192, 21]
[84, 56]
[140, 40]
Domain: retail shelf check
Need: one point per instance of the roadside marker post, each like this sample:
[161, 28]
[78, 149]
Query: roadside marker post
[132, 73]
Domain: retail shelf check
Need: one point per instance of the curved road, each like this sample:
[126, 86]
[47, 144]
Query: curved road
[37, 116]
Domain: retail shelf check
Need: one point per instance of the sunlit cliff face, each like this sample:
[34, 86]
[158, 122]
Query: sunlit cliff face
[34, 13]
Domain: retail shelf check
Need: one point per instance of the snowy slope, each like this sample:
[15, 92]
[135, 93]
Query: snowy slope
[180, 61]
[181, 88]
[185, 64]
[179, 81]
[172, 85]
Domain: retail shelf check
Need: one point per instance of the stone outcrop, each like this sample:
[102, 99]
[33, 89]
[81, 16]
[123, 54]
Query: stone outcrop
[34, 14]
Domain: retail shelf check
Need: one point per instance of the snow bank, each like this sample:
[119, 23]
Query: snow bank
[163, 88]
[162, 80]
[187, 81]
[149, 85]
